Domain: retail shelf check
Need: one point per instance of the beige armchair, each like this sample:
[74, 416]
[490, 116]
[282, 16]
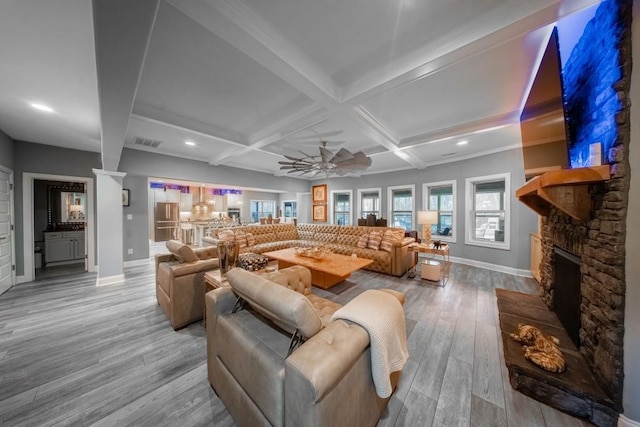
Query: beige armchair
[180, 285]
[319, 376]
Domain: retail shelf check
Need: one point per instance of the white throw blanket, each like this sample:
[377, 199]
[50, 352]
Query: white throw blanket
[381, 314]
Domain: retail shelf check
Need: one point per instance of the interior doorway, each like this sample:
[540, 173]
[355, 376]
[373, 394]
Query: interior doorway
[59, 212]
[70, 237]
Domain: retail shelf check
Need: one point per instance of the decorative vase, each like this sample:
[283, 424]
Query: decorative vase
[227, 256]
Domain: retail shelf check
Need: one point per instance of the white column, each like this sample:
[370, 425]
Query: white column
[109, 230]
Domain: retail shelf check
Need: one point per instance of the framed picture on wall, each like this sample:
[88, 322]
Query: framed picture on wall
[320, 213]
[125, 197]
[319, 193]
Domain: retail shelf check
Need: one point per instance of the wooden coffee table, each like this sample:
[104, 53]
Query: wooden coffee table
[327, 271]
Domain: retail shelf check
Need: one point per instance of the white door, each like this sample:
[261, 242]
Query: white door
[6, 258]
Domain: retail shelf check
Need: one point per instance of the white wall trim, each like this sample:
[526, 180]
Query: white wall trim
[109, 280]
[494, 267]
[626, 422]
[21, 279]
[136, 262]
[27, 219]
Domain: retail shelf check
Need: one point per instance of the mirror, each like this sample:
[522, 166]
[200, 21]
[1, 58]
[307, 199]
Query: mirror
[72, 207]
[66, 203]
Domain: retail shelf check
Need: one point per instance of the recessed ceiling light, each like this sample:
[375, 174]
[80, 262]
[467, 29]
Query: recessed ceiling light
[464, 142]
[189, 143]
[42, 107]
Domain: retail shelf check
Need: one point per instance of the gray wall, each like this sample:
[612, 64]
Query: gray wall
[631, 388]
[45, 159]
[135, 231]
[6, 150]
[139, 165]
[523, 219]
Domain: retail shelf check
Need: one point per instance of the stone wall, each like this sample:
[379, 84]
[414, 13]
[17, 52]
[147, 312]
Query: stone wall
[599, 115]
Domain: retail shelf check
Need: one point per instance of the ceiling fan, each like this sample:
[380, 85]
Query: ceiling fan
[341, 163]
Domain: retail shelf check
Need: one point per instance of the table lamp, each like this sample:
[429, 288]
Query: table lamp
[426, 219]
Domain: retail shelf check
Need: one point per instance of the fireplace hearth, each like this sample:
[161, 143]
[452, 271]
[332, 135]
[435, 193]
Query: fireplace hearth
[575, 391]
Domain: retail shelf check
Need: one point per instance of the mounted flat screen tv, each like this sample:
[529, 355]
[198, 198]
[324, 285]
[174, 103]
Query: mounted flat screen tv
[543, 121]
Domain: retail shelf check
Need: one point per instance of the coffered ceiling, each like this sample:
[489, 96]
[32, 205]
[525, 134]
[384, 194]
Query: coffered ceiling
[249, 81]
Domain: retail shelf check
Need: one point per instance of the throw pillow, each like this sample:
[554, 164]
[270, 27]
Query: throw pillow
[251, 239]
[226, 235]
[362, 241]
[388, 239]
[241, 238]
[375, 237]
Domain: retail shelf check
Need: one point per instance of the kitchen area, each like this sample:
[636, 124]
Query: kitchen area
[185, 212]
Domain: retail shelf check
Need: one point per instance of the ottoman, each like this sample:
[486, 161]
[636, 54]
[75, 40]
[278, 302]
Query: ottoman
[252, 262]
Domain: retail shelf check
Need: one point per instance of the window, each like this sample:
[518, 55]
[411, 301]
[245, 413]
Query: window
[289, 209]
[441, 197]
[369, 202]
[341, 205]
[488, 207]
[401, 206]
[262, 209]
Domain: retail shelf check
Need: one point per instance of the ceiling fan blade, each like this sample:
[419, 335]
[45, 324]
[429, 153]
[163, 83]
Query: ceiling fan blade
[359, 162]
[341, 156]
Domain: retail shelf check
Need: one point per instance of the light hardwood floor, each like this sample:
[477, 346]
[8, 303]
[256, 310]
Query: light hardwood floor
[75, 354]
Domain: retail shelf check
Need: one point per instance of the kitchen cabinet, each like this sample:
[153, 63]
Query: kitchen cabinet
[63, 247]
[161, 195]
[186, 202]
[220, 203]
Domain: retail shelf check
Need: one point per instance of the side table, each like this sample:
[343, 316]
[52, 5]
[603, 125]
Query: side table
[212, 280]
[443, 266]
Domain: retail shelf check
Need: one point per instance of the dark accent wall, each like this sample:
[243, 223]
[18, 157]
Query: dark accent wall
[599, 111]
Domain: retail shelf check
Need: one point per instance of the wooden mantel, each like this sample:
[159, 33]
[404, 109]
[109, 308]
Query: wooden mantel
[566, 189]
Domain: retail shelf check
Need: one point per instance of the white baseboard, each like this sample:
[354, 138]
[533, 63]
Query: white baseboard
[494, 267]
[110, 280]
[136, 262]
[626, 422]
[21, 279]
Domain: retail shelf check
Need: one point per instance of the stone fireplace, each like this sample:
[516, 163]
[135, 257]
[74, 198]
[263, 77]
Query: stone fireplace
[596, 247]
[582, 269]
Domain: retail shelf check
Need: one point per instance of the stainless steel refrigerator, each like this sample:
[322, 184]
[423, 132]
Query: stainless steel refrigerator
[167, 221]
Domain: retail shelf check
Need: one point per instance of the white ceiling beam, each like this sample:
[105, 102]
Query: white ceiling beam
[122, 30]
